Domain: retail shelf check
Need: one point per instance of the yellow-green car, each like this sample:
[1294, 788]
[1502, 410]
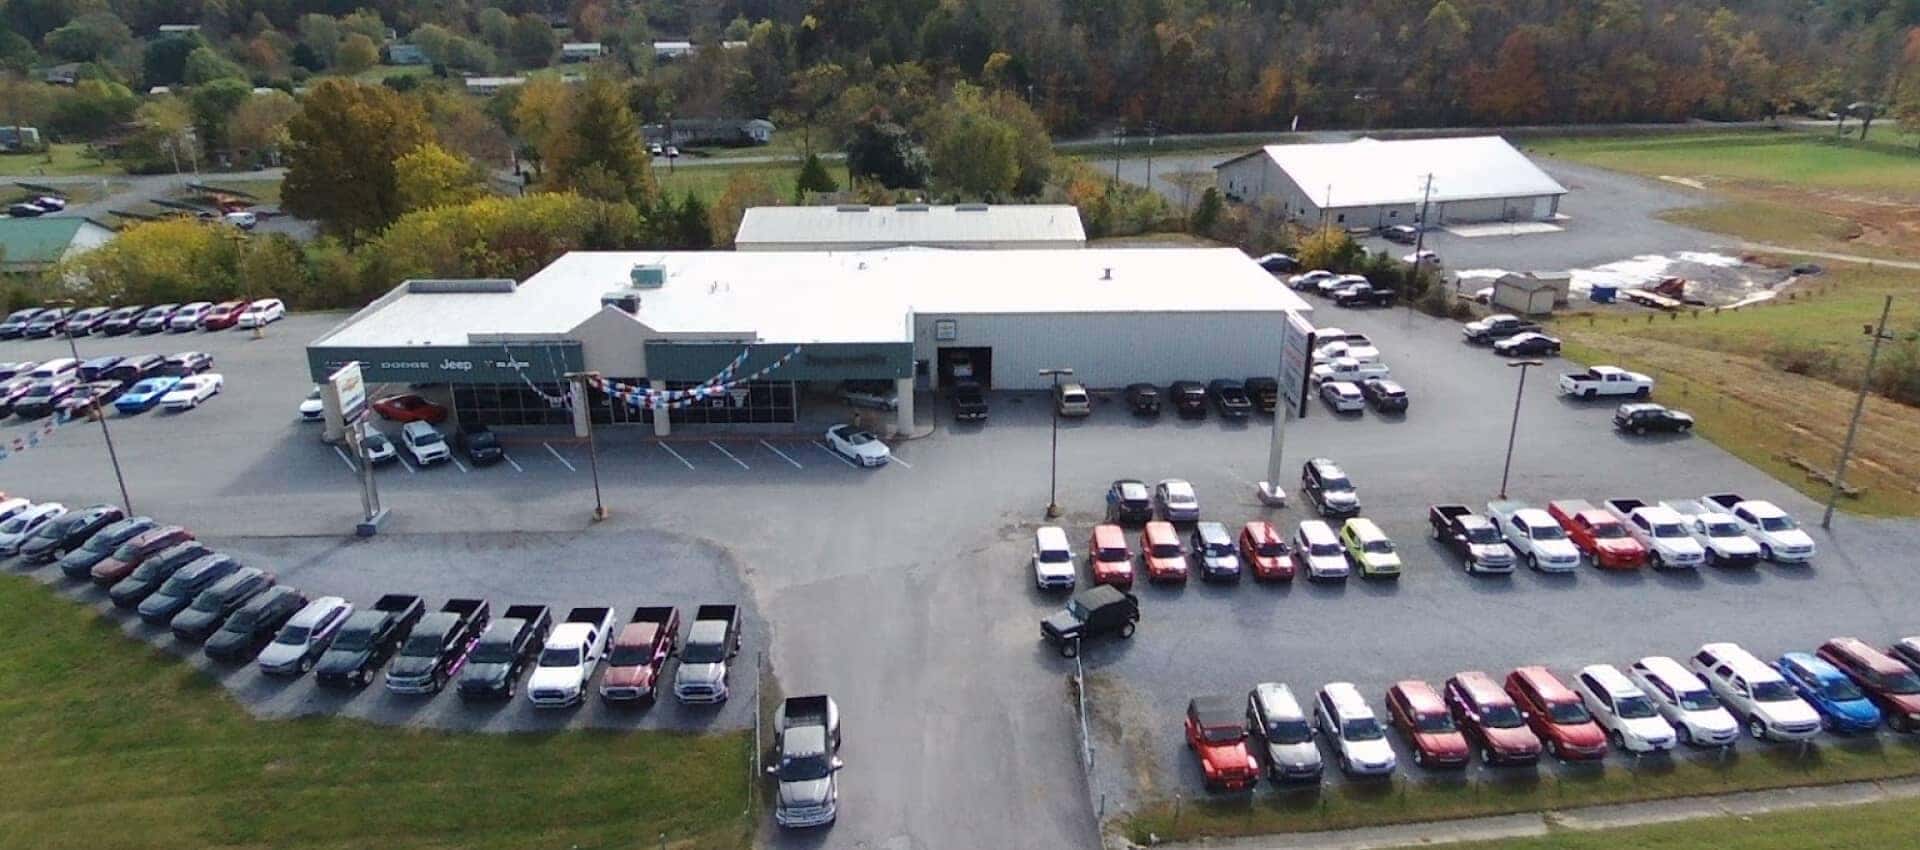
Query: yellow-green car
[1368, 549]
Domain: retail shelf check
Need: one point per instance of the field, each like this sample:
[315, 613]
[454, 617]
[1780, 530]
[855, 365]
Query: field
[1884, 824]
[58, 160]
[1351, 805]
[262, 191]
[112, 744]
[708, 182]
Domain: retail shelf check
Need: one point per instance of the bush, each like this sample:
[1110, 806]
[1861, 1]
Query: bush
[1802, 359]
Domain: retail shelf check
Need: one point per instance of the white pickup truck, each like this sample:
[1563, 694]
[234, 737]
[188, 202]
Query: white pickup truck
[1660, 529]
[1781, 539]
[1716, 531]
[1348, 369]
[567, 661]
[1536, 536]
[1606, 381]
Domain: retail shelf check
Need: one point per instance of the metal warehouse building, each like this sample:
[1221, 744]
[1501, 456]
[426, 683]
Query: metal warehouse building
[1368, 183]
[732, 337]
[853, 227]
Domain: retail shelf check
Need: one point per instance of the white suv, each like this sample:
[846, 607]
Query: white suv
[1052, 559]
[1342, 715]
[1695, 713]
[1758, 692]
[424, 443]
[1320, 551]
[1632, 721]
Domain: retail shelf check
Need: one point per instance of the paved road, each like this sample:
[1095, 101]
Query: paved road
[1828, 255]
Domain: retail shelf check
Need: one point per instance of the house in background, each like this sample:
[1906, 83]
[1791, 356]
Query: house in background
[32, 245]
[711, 131]
[1369, 183]
[63, 74]
[178, 29]
[672, 49]
[19, 139]
[581, 51]
[400, 53]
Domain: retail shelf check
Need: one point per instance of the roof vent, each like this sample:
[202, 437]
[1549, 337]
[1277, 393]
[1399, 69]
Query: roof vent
[912, 208]
[625, 300]
[971, 207]
[851, 208]
[648, 276]
[1106, 273]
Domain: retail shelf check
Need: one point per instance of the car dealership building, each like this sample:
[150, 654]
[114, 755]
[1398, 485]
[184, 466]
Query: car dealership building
[739, 337]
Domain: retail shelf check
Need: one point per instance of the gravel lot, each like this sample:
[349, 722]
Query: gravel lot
[906, 592]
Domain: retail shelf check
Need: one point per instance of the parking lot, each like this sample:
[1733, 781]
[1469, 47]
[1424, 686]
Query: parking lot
[906, 591]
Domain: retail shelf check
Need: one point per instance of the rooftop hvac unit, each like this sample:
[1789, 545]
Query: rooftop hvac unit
[912, 208]
[626, 300]
[851, 208]
[649, 276]
[971, 207]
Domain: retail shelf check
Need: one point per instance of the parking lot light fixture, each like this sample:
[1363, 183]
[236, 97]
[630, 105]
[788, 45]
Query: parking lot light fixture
[580, 380]
[99, 415]
[1053, 465]
[1514, 429]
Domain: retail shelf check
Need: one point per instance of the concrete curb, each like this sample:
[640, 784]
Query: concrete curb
[1535, 824]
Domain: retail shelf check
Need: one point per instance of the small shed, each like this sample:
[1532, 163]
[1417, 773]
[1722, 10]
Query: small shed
[1525, 294]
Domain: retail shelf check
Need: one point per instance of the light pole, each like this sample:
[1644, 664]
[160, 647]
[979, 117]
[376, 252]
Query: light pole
[579, 380]
[1514, 429]
[1053, 465]
[1878, 333]
[99, 416]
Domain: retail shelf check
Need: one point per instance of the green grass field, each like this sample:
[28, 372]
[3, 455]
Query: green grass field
[111, 744]
[263, 191]
[1887, 824]
[1773, 157]
[709, 181]
[1365, 804]
[58, 160]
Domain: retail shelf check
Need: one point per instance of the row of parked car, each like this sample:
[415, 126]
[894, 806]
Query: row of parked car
[1719, 529]
[1656, 704]
[1346, 290]
[241, 613]
[132, 384]
[35, 322]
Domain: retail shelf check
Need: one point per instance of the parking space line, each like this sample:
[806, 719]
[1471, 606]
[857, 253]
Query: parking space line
[515, 463]
[675, 454]
[896, 459]
[407, 466]
[836, 455]
[718, 448]
[344, 459]
[457, 463]
[783, 455]
[556, 456]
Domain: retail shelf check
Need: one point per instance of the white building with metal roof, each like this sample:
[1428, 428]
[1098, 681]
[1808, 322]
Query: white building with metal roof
[1369, 183]
[852, 227]
[771, 323]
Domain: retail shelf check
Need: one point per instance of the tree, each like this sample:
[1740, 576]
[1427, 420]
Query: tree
[1206, 216]
[603, 137]
[25, 102]
[204, 65]
[171, 260]
[692, 230]
[321, 35]
[165, 61]
[745, 188]
[541, 112]
[810, 96]
[813, 178]
[1332, 250]
[214, 104]
[92, 36]
[92, 107]
[16, 53]
[881, 150]
[260, 122]
[164, 139]
[357, 53]
[342, 148]
[429, 176]
[975, 155]
[494, 237]
[532, 42]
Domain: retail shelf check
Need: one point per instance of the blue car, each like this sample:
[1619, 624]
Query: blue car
[1842, 706]
[145, 394]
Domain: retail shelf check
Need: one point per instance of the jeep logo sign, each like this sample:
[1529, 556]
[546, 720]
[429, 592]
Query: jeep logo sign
[456, 365]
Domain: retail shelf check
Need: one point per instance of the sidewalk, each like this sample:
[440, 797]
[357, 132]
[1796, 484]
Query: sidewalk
[1535, 824]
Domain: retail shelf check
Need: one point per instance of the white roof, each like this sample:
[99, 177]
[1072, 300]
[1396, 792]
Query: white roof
[858, 225]
[823, 296]
[1371, 172]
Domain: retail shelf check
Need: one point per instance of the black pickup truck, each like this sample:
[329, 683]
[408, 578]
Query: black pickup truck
[1264, 392]
[367, 640]
[1496, 327]
[1474, 537]
[969, 402]
[1365, 295]
[437, 647]
[504, 652]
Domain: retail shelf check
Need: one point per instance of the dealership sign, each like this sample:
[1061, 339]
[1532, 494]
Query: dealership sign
[349, 391]
[454, 364]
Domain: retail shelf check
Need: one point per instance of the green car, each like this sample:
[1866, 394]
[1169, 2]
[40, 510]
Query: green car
[1368, 549]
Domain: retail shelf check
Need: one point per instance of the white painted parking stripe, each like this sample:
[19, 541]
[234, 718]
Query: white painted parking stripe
[836, 455]
[515, 463]
[407, 466]
[556, 456]
[783, 455]
[456, 462]
[346, 460]
[718, 448]
[896, 459]
[675, 454]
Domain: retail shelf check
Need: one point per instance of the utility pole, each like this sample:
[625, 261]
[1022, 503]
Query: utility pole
[579, 380]
[1514, 429]
[113, 457]
[1153, 131]
[1053, 466]
[1420, 235]
[1119, 137]
[1326, 214]
[1878, 333]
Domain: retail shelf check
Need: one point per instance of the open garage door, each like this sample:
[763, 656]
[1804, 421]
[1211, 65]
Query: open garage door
[966, 364]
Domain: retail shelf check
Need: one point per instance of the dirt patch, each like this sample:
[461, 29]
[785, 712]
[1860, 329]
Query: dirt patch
[1889, 223]
[1120, 725]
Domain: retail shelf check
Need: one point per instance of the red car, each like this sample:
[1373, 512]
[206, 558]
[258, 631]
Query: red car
[1217, 734]
[1556, 714]
[1599, 534]
[1109, 558]
[1160, 548]
[1422, 715]
[1892, 686]
[1265, 552]
[1489, 716]
[133, 553]
[223, 315]
[409, 408]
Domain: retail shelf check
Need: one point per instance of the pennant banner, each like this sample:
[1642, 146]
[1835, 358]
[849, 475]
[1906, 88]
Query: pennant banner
[720, 384]
[31, 438]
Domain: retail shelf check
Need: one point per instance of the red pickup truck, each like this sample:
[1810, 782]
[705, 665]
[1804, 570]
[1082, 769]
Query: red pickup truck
[1599, 534]
[640, 652]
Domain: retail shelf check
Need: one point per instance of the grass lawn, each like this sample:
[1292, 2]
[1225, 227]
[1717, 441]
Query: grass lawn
[709, 181]
[263, 191]
[1776, 157]
[1884, 824]
[110, 743]
[61, 159]
[75, 193]
[1366, 804]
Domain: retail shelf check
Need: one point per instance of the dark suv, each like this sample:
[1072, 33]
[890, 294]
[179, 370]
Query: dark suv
[1230, 397]
[1143, 399]
[1096, 611]
[1328, 486]
[481, 445]
[1128, 502]
[1641, 418]
[67, 533]
[215, 604]
[249, 629]
[1189, 398]
[1263, 392]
